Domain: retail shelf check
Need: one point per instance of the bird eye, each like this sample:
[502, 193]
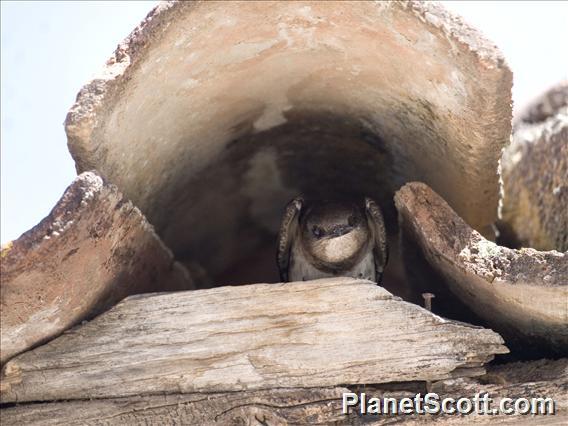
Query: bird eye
[317, 231]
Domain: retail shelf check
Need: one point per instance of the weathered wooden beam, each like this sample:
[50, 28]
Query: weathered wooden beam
[92, 250]
[535, 379]
[522, 294]
[266, 407]
[311, 334]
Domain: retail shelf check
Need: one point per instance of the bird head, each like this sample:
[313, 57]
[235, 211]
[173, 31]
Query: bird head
[333, 233]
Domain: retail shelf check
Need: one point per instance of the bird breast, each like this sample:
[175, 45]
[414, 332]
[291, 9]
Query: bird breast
[338, 250]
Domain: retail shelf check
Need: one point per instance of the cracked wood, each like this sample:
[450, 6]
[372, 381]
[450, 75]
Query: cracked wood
[311, 334]
[535, 379]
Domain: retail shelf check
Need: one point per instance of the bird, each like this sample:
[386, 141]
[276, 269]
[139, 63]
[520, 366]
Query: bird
[331, 238]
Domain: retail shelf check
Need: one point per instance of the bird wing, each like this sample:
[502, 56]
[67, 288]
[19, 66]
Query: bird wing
[288, 229]
[377, 226]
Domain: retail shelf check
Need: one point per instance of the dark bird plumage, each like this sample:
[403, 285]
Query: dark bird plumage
[321, 239]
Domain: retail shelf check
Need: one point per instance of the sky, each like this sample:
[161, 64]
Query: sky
[50, 49]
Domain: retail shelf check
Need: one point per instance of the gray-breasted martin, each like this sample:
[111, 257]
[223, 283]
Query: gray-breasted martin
[321, 239]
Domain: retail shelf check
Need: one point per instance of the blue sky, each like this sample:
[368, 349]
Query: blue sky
[50, 49]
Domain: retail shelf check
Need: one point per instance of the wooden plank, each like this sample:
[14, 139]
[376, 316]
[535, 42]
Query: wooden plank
[92, 250]
[536, 379]
[311, 334]
[266, 407]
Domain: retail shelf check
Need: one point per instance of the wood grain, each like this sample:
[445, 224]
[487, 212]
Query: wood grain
[268, 407]
[313, 334]
[543, 378]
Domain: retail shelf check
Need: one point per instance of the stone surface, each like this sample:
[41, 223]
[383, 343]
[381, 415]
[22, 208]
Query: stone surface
[522, 294]
[534, 210]
[307, 334]
[211, 116]
[92, 250]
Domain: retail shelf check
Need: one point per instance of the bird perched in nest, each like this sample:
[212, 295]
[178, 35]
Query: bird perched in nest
[320, 239]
